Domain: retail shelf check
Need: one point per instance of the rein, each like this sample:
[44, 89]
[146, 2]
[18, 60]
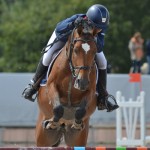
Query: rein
[72, 67]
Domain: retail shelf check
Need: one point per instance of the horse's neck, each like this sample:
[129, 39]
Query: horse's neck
[61, 64]
[63, 60]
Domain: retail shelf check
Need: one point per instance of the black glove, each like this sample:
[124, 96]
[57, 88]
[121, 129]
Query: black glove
[78, 21]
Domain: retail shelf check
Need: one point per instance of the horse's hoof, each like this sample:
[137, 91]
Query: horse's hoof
[48, 124]
[77, 126]
[44, 123]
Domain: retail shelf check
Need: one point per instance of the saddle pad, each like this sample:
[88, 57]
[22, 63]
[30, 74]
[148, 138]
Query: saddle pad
[44, 80]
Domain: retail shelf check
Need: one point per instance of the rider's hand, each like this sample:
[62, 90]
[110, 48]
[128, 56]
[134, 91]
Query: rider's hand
[78, 21]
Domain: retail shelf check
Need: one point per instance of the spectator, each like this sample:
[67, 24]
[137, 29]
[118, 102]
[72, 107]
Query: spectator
[136, 51]
[148, 54]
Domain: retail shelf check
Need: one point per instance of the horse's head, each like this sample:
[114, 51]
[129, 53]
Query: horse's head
[81, 52]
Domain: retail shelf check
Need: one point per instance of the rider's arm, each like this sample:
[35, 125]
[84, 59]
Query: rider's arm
[67, 24]
[100, 41]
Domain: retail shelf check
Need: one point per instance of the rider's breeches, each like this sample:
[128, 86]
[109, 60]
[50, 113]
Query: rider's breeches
[47, 57]
[101, 61]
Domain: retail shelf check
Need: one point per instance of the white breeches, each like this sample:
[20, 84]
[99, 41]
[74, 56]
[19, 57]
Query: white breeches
[101, 60]
[47, 57]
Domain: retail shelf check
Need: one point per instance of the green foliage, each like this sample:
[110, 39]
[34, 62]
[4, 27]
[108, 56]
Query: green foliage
[26, 25]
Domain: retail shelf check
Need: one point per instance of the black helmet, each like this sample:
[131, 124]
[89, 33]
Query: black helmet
[98, 15]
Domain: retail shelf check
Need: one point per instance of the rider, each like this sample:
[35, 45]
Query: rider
[98, 16]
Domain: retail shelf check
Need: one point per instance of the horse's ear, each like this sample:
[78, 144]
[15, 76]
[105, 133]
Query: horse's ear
[95, 31]
[79, 30]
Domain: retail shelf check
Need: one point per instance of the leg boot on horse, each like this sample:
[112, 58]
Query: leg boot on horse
[35, 82]
[103, 96]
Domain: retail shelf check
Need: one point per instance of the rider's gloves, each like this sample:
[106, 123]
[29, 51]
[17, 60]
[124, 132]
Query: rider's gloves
[78, 21]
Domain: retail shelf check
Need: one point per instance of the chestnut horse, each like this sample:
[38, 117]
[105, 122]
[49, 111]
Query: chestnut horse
[69, 97]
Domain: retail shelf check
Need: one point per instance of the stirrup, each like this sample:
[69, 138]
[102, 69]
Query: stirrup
[107, 104]
[32, 96]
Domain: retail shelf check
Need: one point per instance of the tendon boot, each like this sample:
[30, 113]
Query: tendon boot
[33, 87]
[103, 96]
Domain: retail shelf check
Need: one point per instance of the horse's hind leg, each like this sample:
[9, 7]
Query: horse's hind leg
[78, 137]
[45, 137]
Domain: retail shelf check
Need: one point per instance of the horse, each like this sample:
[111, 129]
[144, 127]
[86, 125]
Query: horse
[68, 100]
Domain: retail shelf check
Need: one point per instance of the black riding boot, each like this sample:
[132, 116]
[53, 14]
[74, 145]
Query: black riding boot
[35, 82]
[103, 96]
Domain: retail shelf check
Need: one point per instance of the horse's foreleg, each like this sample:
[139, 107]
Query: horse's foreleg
[53, 123]
[79, 114]
[87, 107]
[54, 109]
[58, 112]
[78, 137]
[42, 138]
[45, 138]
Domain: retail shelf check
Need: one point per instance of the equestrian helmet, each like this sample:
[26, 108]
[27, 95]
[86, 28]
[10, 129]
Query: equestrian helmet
[99, 16]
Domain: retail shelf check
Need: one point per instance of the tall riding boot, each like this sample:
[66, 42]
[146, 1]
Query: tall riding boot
[103, 96]
[35, 82]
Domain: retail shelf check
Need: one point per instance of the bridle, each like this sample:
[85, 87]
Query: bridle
[72, 67]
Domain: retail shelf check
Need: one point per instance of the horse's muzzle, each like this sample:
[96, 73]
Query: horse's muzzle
[81, 84]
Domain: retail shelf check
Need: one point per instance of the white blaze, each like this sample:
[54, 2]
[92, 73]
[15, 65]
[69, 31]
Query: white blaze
[86, 47]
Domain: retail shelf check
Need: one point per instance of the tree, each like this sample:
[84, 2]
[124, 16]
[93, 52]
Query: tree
[25, 27]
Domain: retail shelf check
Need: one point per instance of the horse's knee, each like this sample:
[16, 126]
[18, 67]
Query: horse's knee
[80, 113]
[58, 112]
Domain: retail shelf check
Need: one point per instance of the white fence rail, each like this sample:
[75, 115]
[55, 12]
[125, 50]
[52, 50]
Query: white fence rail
[130, 114]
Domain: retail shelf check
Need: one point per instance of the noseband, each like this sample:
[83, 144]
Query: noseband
[72, 67]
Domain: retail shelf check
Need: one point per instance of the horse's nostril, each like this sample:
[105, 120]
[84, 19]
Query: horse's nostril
[86, 83]
[83, 83]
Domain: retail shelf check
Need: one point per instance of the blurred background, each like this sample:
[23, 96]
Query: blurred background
[25, 28]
